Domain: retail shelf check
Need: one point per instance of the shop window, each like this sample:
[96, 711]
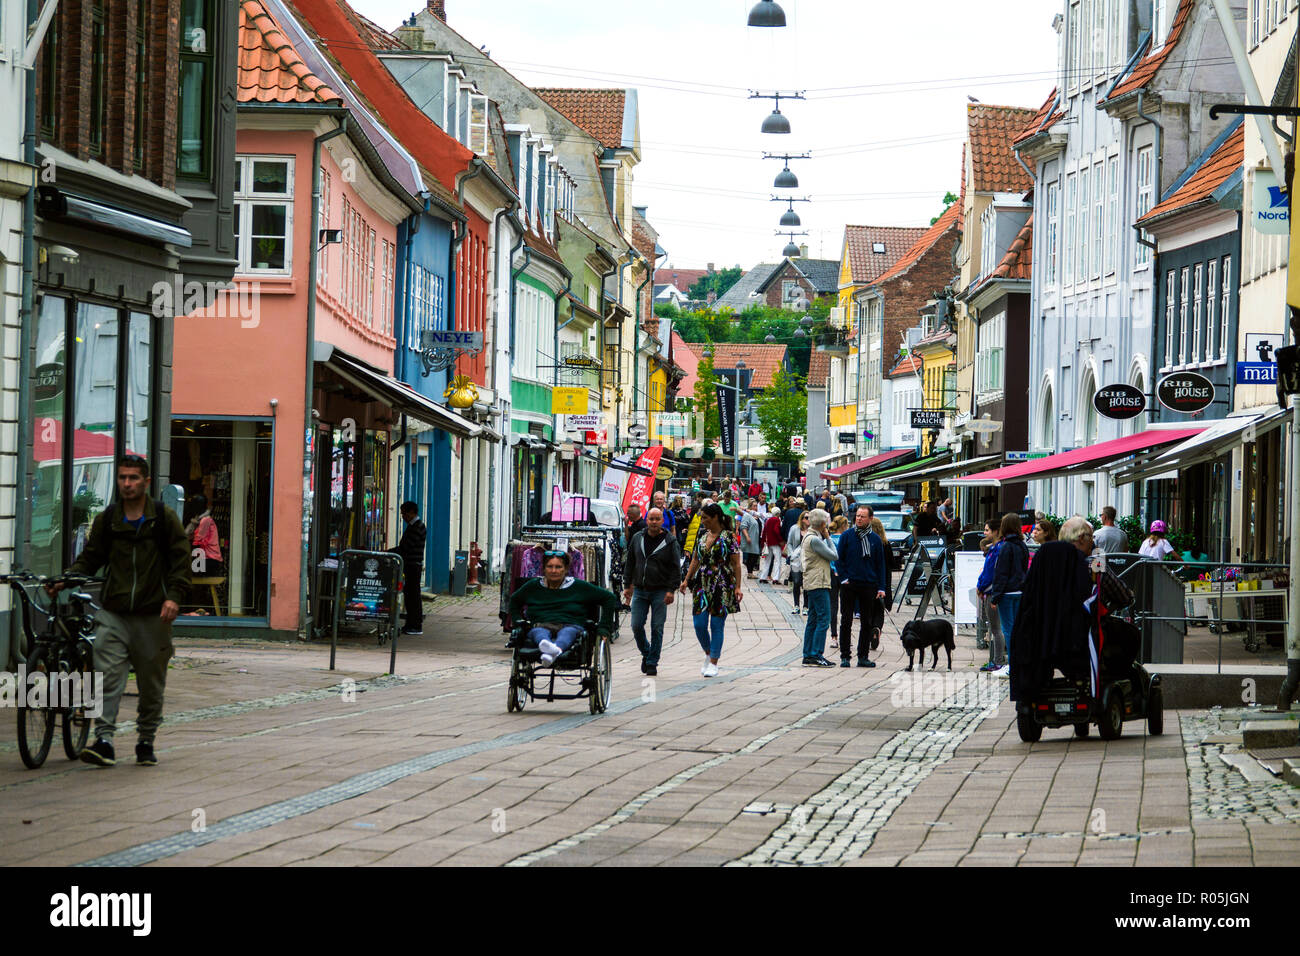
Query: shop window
[49, 403]
[94, 417]
[225, 468]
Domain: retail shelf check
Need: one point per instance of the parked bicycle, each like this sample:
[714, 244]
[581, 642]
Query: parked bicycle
[59, 664]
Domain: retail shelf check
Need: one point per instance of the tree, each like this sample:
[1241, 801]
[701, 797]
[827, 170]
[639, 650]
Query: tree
[706, 401]
[782, 412]
[715, 282]
[948, 200]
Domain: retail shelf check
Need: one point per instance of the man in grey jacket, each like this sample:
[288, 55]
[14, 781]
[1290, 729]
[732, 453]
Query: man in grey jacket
[653, 573]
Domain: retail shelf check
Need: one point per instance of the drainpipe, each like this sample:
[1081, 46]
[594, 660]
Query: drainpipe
[636, 352]
[27, 321]
[507, 209]
[313, 237]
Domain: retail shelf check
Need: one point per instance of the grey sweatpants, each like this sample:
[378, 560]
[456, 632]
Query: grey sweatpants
[139, 642]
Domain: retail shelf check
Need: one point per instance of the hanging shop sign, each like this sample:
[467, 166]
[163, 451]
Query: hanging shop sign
[848, 438]
[928, 418]
[1269, 212]
[983, 426]
[1185, 392]
[569, 401]
[1119, 401]
[439, 349]
[583, 423]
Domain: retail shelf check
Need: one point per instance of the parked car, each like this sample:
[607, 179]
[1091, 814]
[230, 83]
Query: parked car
[898, 531]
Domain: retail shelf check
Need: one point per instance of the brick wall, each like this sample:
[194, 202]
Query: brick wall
[74, 22]
[907, 294]
[789, 272]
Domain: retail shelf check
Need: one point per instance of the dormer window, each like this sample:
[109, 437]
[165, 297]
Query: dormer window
[878, 248]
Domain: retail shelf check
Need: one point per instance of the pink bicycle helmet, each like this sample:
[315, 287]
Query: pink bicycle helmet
[1159, 527]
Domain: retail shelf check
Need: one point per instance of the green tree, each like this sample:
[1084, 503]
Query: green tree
[948, 200]
[783, 412]
[715, 282]
[706, 401]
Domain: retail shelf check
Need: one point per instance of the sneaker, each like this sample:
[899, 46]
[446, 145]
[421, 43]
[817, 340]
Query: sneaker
[835, 643]
[144, 755]
[704, 671]
[863, 662]
[100, 753]
[1003, 672]
[413, 632]
[650, 670]
[844, 662]
[810, 662]
[823, 662]
[711, 670]
[987, 668]
[549, 649]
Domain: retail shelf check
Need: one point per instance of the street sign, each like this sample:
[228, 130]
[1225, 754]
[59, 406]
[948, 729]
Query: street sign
[1185, 392]
[1269, 211]
[1119, 401]
[1026, 455]
[796, 443]
[569, 401]
[928, 418]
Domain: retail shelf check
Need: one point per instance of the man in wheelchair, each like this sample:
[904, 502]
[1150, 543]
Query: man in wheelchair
[559, 607]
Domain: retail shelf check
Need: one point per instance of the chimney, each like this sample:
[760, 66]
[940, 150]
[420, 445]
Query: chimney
[803, 252]
[710, 268]
[410, 35]
[439, 9]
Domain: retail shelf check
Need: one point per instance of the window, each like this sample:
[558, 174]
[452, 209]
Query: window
[1073, 38]
[1082, 274]
[1211, 300]
[1197, 277]
[1255, 22]
[1170, 305]
[387, 289]
[1225, 287]
[1160, 22]
[264, 214]
[1115, 51]
[98, 78]
[478, 123]
[368, 307]
[194, 111]
[50, 81]
[1069, 227]
[1099, 39]
[1053, 216]
[988, 241]
[141, 84]
[1098, 217]
[453, 105]
[989, 356]
[323, 258]
[1182, 316]
[428, 312]
[1146, 189]
[1112, 214]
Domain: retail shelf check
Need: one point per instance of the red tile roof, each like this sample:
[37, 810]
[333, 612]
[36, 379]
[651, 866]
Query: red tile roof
[993, 166]
[763, 359]
[819, 369]
[1146, 68]
[946, 223]
[685, 359]
[907, 365]
[1042, 121]
[1221, 164]
[864, 263]
[1019, 261]
[377, 36]
[270, 69]
[598, 112]
[683, 279]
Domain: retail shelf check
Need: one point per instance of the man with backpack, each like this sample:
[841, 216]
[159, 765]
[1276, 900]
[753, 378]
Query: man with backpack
[146, 556]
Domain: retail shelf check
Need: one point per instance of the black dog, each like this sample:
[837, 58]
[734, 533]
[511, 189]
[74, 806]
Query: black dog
[918, 635]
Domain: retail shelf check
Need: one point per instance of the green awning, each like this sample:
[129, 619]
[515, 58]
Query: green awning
[941, 456]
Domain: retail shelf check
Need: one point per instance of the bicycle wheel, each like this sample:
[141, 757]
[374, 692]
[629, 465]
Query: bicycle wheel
[35, 724]
[76, 725]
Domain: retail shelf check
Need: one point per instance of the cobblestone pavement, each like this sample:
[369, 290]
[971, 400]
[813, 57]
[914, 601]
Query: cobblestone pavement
[268, 758]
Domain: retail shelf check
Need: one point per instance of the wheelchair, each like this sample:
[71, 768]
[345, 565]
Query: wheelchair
[586, 667]
[1128, 692]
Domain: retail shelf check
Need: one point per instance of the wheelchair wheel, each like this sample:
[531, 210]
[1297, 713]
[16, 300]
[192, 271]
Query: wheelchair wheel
[517, 690]
[601, 675]
[1155, 712]
[1031, 731]
[1111, 724]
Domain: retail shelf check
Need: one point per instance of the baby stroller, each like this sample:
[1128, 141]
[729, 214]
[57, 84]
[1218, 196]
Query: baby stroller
[1124, 689]
[586, 667]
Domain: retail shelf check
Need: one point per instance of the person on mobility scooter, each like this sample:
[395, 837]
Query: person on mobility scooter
[1068, 622]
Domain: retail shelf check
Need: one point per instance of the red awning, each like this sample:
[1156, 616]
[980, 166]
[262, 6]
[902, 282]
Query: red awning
[1077, 459]
[86, 445]
[836, 474]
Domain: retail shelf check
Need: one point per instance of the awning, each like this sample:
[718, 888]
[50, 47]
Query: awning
[1077, 460]
[397, 395]
[938, 472]
[1214, 442]
[940, 457]
[835, 474]
[817, 462]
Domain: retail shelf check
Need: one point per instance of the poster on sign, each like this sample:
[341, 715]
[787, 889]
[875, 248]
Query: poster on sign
[611, 485]
[639, 486]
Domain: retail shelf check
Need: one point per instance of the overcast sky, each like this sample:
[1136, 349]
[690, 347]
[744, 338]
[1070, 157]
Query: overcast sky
[887, 84]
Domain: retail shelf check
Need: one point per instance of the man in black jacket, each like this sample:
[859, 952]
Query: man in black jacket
[145, 554]
[654, 573]
[411, 548]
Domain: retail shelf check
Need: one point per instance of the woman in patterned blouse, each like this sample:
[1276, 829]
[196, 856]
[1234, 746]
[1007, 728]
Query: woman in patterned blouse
[715, 578]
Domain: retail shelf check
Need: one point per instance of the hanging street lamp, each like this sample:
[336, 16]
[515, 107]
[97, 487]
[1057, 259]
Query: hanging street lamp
[776, 122]
[790, 217]
[766, 13]
[785, 179]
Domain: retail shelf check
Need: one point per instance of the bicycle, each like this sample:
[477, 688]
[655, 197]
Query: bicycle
[64, 650]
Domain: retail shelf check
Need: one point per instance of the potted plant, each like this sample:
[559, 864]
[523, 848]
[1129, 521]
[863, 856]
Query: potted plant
[266, 248]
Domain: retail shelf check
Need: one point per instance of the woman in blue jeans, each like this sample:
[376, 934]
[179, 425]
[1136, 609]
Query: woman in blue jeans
[714, 578]
[1009, 572]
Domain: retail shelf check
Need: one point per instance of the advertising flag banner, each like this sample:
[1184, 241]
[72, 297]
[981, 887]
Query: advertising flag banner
[727, 419]
[639, 487]
[611, 485]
